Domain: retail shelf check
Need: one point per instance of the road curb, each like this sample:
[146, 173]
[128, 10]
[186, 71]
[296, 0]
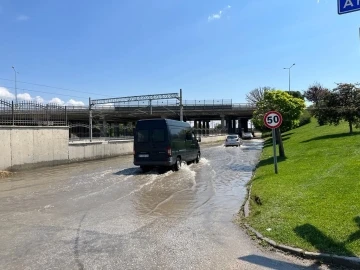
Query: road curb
[352, 262]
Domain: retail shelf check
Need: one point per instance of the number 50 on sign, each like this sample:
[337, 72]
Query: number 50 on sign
[272, 119]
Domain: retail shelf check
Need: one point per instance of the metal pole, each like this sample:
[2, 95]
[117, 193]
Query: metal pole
[12, 113]
[181, 106]
[274, 148]
[16, 100]
[90, 119]
[150, 107]
[66, 119]
[289, 79]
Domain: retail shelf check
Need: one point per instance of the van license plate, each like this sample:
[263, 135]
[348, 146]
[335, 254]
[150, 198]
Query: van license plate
[143, 155]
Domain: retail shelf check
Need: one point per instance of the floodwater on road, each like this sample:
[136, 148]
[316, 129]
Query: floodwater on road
[107, 214]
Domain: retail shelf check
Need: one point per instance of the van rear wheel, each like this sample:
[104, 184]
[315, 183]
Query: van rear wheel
[177, 164]
[197, 158]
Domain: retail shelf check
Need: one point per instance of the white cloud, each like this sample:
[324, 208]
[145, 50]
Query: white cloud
[56, 101]
[24, 96]
[5, 93]
[39, 99]
[22, 18]
[72, 102]
[217, 16]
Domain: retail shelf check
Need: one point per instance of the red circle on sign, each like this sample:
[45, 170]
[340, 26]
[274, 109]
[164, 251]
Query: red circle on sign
[273, 119]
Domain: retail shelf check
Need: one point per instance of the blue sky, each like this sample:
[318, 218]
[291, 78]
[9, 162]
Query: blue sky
[211, 49]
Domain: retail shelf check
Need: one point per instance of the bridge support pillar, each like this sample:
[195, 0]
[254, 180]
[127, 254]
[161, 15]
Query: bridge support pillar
[245, 124]
[222, 121]
[103, 128]
[228, 124]
[204, 127]
[207, 127]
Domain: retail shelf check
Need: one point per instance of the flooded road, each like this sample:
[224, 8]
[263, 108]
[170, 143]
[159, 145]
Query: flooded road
[109, 215]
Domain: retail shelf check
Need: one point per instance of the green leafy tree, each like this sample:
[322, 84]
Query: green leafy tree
[290, 108]
[343, 103]
[281, 101]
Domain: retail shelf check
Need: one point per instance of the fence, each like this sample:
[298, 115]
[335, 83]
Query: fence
[26, 113]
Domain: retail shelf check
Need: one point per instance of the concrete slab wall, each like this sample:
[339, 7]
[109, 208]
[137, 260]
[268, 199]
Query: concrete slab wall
[97, 150]
[28, 147]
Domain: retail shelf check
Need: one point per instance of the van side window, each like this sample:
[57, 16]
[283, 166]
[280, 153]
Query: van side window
[158, 135]
[142, 136]
[188, 136]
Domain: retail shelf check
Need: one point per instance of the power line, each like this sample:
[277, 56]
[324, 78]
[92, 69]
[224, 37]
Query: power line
[54, 87]
[30, 90]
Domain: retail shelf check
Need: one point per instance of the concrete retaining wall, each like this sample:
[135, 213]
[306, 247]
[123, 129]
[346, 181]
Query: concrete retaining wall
[30, 147]
[24, 147]
[97, 150]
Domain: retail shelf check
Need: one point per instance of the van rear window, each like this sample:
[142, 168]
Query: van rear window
[143, 136]
[158, 135]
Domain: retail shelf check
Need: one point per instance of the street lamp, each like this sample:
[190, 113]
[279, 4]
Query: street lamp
[16, 101]
[289, 68]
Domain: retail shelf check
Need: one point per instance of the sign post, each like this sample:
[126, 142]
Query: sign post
[273, 120]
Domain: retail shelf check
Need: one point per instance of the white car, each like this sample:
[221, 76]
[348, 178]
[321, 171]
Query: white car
[247, 135]
[233, 140]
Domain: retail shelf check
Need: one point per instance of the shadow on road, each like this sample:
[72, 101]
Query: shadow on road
[76, 246]
[275, 264]
[137, 171]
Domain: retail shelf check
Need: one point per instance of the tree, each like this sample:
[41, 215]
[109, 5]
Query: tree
[257, 94]
[296, 94]
[280, 101]
[343, 103]
[277, 100]
[317, 94]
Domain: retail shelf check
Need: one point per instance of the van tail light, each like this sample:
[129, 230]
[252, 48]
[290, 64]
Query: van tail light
[169, 151]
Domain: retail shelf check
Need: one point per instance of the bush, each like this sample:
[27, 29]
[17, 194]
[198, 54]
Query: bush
[305, 118]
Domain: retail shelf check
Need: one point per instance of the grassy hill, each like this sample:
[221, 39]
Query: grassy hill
[314, 201]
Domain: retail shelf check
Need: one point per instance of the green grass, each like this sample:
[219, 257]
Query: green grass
[314, 201]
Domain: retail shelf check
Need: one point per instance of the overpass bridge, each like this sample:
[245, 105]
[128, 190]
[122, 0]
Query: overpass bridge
[125, 111]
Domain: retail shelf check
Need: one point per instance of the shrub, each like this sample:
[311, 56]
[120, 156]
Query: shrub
[305, 118]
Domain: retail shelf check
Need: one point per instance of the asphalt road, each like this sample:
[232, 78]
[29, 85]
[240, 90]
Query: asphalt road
[108, 215]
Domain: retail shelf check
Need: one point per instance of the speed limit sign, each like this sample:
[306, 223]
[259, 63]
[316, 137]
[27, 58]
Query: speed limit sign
[272, 119]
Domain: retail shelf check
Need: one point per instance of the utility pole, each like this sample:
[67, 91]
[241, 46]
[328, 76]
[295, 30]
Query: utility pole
[181, 107]
[16, 100]
[90, 119]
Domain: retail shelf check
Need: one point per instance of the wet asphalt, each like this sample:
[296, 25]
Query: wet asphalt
[107, 214]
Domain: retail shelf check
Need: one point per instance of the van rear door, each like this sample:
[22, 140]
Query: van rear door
[151, 141]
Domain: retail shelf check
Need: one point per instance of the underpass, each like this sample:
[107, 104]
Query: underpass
[108, 215]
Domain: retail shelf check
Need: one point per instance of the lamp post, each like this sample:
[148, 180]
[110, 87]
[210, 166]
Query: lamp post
[289, 68]
[16, 101]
